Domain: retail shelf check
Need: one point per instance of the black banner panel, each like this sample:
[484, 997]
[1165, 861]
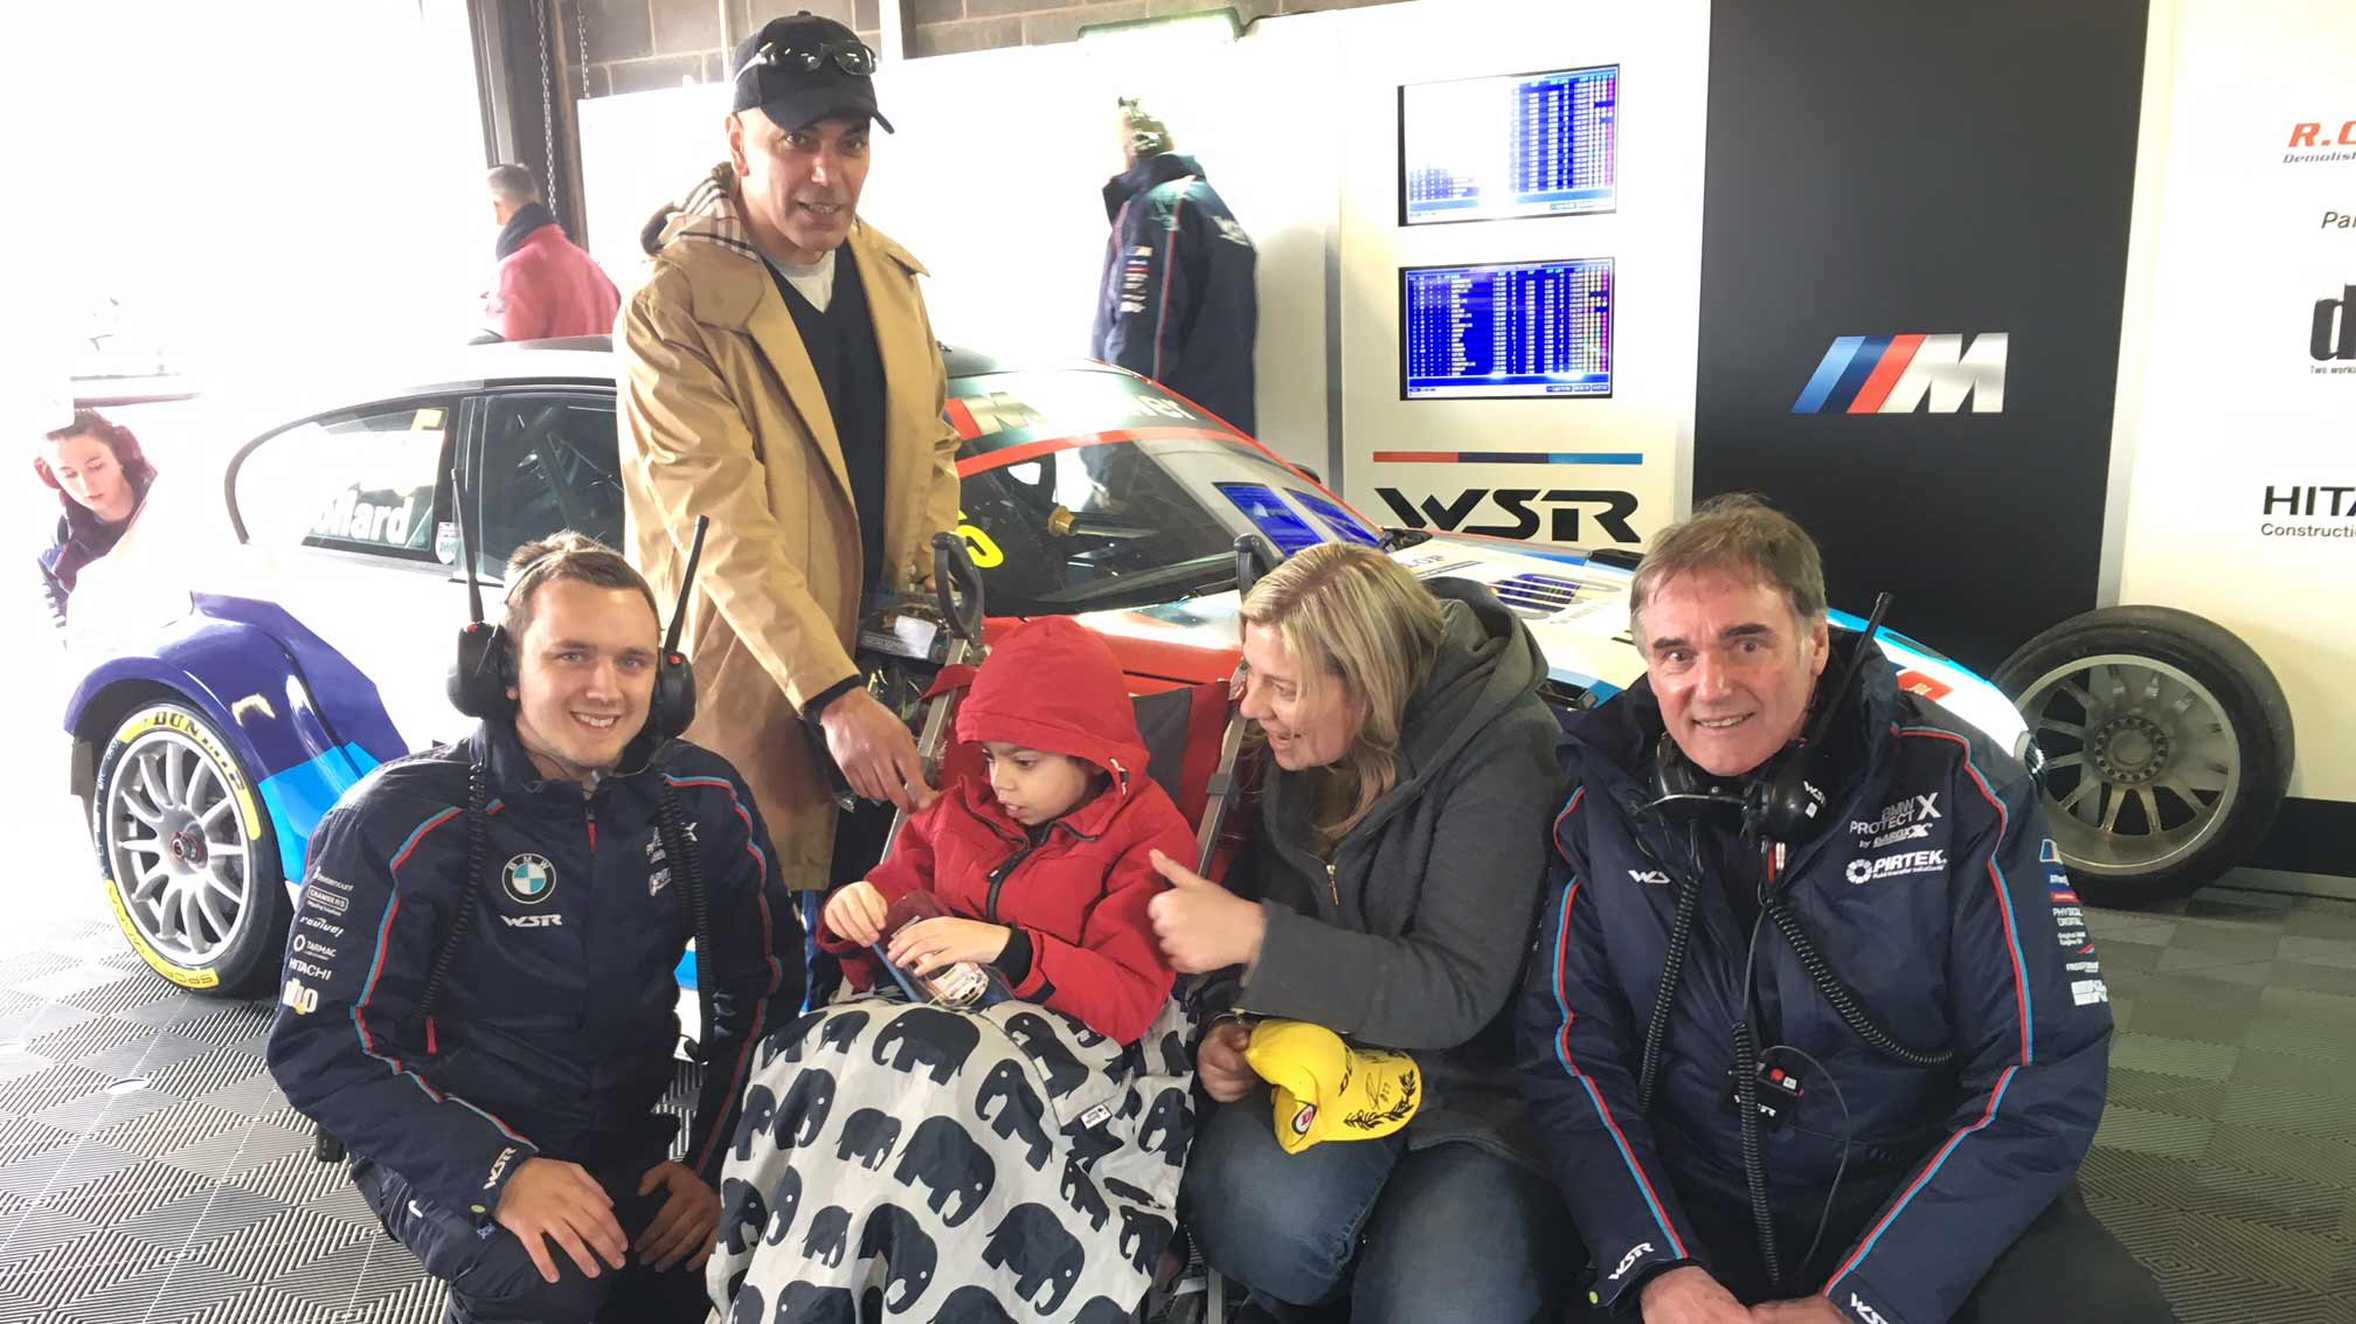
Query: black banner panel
[1914, 250]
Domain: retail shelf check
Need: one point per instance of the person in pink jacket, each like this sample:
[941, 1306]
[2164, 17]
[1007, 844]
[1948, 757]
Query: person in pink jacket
[548, 285]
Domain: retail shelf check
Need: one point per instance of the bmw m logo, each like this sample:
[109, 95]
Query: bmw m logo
[530, 879]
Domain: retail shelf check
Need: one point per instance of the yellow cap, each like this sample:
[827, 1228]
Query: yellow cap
[1327, 1090]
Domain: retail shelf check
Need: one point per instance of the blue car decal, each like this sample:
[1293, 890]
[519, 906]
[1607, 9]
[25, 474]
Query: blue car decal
[301, 795]
[305, 723]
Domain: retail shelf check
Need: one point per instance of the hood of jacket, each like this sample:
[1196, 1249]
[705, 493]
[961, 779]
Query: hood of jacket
[1486, 663]
[1146, 176]
[1054, 685]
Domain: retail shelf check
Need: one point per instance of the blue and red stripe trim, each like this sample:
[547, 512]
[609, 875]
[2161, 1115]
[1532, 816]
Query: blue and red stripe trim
[1509, 457]
[1562, 1053]
[2022, 1003]
[1930, 1170]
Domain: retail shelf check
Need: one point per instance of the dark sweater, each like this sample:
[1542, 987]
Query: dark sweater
[842, 347]
[1417, 940]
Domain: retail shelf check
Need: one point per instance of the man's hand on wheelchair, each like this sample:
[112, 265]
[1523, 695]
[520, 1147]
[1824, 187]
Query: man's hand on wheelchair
[875, 750]
[686, 1227]
[552, 1200]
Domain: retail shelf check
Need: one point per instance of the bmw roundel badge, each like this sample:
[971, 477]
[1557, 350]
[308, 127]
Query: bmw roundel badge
[531, 879]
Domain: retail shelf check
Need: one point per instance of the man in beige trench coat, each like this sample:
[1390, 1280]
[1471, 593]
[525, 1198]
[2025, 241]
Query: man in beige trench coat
[779, 374]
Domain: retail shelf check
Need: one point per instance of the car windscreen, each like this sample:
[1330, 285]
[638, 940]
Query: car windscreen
[1085, 490]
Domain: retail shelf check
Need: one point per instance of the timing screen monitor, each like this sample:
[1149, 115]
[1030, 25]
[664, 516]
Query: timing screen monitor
[1506, 330]
[1490, 149]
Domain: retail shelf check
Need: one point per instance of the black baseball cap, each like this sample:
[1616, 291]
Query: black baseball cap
[803, 69]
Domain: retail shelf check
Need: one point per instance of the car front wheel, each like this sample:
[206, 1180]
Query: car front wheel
[2167, 743]
[191, 866]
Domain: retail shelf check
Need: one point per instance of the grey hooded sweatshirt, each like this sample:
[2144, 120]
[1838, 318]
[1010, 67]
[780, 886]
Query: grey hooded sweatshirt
[1415, 937]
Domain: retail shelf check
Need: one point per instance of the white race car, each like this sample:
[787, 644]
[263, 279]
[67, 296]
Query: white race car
[281, 619]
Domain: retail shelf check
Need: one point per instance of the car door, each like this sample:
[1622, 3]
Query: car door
[343, 511]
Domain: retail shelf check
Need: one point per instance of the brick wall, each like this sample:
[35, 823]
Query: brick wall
[635, 45]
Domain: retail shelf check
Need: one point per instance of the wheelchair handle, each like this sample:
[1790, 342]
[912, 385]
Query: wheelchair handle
[953, 569]
[1253, 558]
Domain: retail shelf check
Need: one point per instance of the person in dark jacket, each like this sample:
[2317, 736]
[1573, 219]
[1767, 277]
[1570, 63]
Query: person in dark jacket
[101, 478]
[509, 1136]
[1177, 303]
[1041, 863]
[549, 286]
[1397, 874]
[1913, 1159]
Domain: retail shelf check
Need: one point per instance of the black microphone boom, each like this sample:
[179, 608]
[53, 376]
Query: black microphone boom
[1873, 625]
[474, 586]
[695, 553]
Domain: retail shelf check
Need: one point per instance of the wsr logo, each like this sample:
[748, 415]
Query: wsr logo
[1521, 521]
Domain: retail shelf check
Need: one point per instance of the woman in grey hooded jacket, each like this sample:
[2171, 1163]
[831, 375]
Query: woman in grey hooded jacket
[1396, 874]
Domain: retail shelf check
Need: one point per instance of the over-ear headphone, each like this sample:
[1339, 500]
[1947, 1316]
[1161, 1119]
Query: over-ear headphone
[1784, 799]
[484, 669]
[672, 709]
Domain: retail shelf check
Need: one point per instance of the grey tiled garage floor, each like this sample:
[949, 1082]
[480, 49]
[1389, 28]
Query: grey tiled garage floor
[150, 1173]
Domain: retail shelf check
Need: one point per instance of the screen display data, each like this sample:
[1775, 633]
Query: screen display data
[1486, 149]
[1506, 330]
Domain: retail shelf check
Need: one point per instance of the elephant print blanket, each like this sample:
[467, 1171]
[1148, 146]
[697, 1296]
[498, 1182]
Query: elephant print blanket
[898, 1161]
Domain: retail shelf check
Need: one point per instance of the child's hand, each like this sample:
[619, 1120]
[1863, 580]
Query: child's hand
[934, 944]
[856, 911]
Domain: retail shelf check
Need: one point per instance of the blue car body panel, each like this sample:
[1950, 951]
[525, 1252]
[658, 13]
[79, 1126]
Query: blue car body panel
[305, 722]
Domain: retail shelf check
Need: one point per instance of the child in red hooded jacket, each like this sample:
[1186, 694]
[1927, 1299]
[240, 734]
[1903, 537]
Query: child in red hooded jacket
[1042, 862]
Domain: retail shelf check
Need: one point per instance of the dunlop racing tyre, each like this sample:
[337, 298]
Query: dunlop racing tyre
[188, 854]
[2167, 744]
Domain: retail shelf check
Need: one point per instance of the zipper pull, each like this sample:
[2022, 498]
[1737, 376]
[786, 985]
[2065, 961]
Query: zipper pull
[1333, 884]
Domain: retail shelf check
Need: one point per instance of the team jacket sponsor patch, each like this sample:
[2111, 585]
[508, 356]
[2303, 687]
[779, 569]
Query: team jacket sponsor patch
[1897, 866]
[1906, 819]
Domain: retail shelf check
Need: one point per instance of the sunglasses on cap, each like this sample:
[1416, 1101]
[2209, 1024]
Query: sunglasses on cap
[853, 57]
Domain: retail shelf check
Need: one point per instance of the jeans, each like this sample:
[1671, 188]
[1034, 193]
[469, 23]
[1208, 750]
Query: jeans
[1391, 1233]
[2066, 1266]
[493, 1280]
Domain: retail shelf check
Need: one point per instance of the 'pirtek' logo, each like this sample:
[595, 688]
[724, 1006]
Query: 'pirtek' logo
[1893, 374]
[1897, 866]
[1562, 521]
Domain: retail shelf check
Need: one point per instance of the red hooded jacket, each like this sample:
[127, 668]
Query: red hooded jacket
[1078, 885]
[549, 287]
